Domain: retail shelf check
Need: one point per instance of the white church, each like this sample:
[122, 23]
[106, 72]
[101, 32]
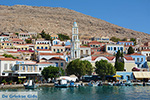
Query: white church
[78, 51]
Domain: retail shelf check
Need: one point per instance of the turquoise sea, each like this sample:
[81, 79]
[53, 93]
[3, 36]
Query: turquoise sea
[90, 93]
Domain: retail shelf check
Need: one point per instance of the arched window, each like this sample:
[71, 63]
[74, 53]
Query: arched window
[45, 47]
[41, 47]
[37, 47]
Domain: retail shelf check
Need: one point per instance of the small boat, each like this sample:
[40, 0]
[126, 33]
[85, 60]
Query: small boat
[30, 85]
[62, 83]
[128, 83]
[92, 83]
[110, 84]
[148, 84]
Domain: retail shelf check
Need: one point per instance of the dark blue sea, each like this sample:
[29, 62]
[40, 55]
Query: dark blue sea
[90, 93]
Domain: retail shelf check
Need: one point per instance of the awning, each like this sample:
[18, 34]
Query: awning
[21, 76]
[141, 74]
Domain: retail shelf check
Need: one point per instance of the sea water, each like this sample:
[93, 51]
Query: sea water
[90, 93]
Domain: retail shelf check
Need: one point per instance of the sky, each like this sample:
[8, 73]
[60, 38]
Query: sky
[131, 14]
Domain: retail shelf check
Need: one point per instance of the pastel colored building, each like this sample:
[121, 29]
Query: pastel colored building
[113, 48]
[95, 46]
[42, 65]
[125, 75]
[4, 38]
[54, 36]
[42, 44]
[140, 60]
[6, 45]
[6, 66]
[145, 52]
[126, 42]
[57, 49]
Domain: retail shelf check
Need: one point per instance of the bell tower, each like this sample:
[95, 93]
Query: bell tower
[75, 42]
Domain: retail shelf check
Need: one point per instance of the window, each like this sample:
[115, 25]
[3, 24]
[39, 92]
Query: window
[62, 64]
[40, 69]
[26, 68]
[108, 48]
[5, 66]
[7, 43]
[114, 48]
[56, 64]
[57, 50]
[25, 48]
[121, 48]
[54, 50]
[2, 43]
[30, 68]
[138, 60]
[61, 50]
[33, 68]
[91, 45]
[45, 47]
[118, 48]
[141, 59]
[111, 48]
[3, 73]
[23, 68]
[41, 47]
[37, 47]
[10, 66]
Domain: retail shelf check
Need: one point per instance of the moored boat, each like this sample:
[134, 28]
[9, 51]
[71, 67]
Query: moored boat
[30, 85]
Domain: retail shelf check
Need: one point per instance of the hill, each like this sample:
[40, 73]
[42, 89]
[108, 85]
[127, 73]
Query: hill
[59, 20]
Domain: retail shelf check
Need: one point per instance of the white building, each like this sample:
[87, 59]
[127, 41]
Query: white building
[113, 48]
[75, 43]
[6, 66]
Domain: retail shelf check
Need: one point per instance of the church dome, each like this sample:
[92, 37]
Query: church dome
[75, 24]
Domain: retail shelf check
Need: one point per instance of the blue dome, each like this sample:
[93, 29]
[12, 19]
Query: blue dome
[75, 24]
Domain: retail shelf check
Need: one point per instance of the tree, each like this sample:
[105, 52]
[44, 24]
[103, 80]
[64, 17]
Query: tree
[9, 56]
[17, 34]
[28, 41]
[45, 36]
[130, 50]
[124, 39]
[79, 68]
[119, 63]
[104, 68]
[134, 40]
[114, 39]
[63, 37]
[50, 72]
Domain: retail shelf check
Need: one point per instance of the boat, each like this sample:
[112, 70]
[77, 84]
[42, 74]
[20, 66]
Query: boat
[148, 84]
[128, 83]
[62, 83]
[110, 84]
[92, 83]
[30, 85]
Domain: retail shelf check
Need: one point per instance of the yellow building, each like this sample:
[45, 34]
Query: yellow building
[54, 36]
[6, 45]
[21, 46]
[42, 44]
[57, 48]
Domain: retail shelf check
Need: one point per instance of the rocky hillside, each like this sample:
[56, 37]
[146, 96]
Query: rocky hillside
[59, 20]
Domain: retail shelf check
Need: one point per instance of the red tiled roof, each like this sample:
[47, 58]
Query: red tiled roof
[43, 50]
[125, 41]
[110, 58]
[133, 54]
[45, 63]
[51, 53]
[6, 42]
[12, 51]
[56, 58]
[68, 46]
[128, 58]
[84, 47]
[129, 45]
[95, 42]
[146, 50]
[58, 45]
[93, 58]
[7, 59]
[16, 39]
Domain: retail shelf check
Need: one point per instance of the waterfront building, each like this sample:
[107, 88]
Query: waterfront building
[75, 42]
[42, 65]
[26, 68]
[6, 66]
[125, 75]
[113, 48]
[140, 60]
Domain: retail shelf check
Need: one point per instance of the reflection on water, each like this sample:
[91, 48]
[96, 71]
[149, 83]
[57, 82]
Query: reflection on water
[91, 93]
